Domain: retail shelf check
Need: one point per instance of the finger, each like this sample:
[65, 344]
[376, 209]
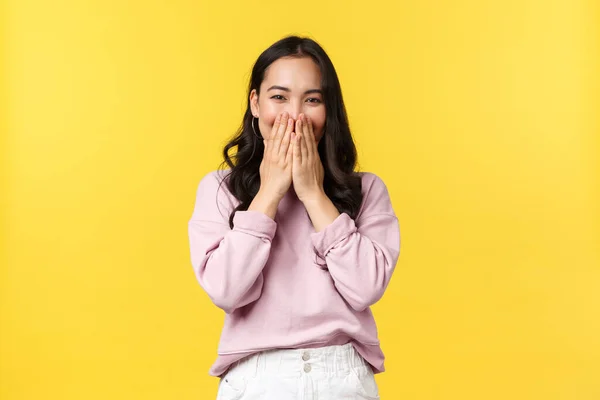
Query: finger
[303, 148]
[269, 141]
[306, 137]
[267, 148]
[290, 152]
[275, 133]
[283, 126]
[299, 132]
[297, 151]
[285, 143]
[311, 134]
[276, 124]
[285, 119]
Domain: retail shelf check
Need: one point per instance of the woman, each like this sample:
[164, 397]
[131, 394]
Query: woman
[292, 243]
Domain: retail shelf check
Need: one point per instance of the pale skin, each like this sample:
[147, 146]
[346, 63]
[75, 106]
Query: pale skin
[294, 114]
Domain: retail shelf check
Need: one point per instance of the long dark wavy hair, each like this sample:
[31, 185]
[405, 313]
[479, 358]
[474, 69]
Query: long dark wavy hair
[336, 148]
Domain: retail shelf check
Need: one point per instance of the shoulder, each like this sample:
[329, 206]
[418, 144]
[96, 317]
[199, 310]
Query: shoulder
[213, 179]
[213, 202]
[376, 197]
[214, 184]
[371, 182]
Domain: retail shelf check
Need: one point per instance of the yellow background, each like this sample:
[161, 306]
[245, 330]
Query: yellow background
[481, 117]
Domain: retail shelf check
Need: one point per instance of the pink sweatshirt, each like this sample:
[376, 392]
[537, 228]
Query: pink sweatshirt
[284, 285]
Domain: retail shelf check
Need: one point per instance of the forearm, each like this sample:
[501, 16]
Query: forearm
[361, 269]
[232, 274]
[361, 263]
[321, 210]
[265, 203]
[229, 263]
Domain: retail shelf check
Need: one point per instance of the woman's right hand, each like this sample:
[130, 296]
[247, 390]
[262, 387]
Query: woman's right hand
[276, 166]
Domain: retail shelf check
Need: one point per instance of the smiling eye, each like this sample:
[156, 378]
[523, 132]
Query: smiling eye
[314, 98]
[277, 95]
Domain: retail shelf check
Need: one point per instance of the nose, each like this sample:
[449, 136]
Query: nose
[294, 109]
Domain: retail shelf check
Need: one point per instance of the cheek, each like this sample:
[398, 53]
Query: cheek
[266, 123]
[269, 119]
[318, 122]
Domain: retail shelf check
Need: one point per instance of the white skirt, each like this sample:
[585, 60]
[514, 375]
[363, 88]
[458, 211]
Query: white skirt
[324, 373]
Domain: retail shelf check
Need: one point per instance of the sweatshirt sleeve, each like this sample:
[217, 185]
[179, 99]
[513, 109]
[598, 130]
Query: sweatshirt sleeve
[228, 263]
[361, 255]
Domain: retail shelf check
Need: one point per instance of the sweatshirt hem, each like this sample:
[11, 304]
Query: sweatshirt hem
[299, 345]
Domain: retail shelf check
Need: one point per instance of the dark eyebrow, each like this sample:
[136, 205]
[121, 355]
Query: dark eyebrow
[274, 87]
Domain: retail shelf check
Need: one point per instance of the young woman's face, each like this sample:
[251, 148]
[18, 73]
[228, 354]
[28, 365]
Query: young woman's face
[292, 85]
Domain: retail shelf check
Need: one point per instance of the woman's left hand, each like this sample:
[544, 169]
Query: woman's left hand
[307, 169]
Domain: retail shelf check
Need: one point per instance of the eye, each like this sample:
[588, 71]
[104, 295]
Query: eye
[314, 98]
[278, 95]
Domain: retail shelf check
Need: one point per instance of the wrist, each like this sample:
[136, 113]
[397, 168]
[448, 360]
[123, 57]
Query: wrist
[314, 198]
[269, 196]
[266, 203]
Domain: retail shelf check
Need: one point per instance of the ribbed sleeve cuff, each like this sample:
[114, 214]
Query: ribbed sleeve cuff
[255, 223]
[341, 227]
